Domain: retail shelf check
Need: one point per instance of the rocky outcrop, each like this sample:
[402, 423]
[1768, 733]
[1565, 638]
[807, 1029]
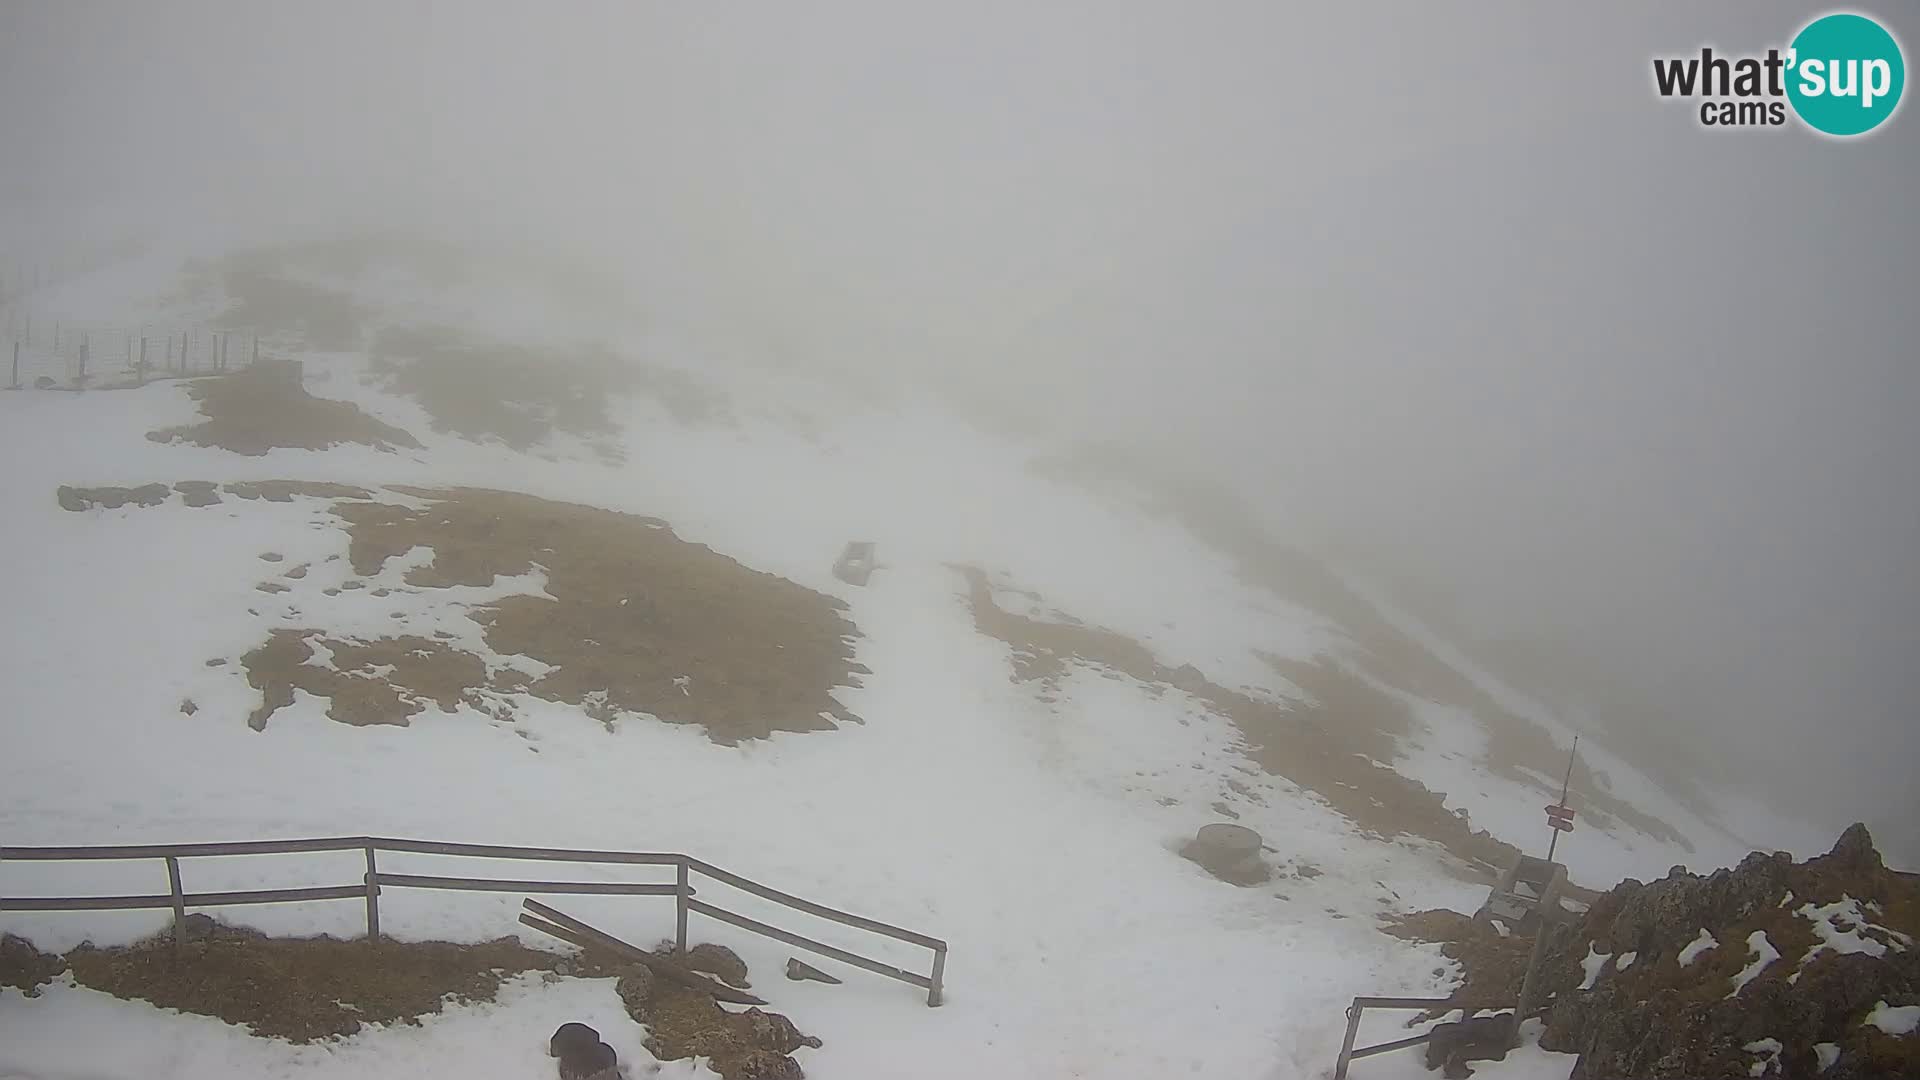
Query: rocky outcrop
[1770, 969]
[26, 968]
[683, 1022]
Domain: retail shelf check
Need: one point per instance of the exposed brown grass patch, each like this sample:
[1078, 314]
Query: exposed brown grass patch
[639, 620]
[26, 968]
[1491, 966]
[288, 490]
[109, 498]
[260, 409]
[1308, 743]
[423, 672]
[634, 620]
[304, 989]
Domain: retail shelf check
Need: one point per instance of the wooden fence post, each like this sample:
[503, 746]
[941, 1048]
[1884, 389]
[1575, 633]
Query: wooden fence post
[179, 903]
[86, 345]
[256, 348]
[939, 978]
[680, 894]
[373, 901]
[143, 359]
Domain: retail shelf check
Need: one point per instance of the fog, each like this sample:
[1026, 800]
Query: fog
[1447, 292]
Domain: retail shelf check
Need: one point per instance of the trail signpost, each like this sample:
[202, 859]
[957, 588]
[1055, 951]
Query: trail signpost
[1559, 814]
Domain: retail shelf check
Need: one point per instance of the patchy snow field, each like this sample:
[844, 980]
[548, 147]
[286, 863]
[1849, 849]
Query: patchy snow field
[1033, 828]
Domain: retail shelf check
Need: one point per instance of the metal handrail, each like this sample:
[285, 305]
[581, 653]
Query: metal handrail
[370, 885]
[1348, 1052]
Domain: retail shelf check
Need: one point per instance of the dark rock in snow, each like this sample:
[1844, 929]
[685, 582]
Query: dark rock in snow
[572, 1038]
[1478, 1038]
[719, 961]
[798, 969]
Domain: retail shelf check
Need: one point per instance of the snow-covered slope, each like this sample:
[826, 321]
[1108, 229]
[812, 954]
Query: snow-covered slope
[1031, 823]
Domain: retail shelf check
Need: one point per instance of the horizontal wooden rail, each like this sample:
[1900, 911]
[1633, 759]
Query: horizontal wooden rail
[822, 948]
[617, 888]
[165, 900]
[812, 908]
[493, 851]
[183, 851]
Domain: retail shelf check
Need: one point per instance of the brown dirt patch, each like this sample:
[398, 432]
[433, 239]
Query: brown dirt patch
[198, 492]
[304, 989]
[286, 490]
[522, 396]
[1311, 744]
[26, 968]
[639, 620]
[1491, 966]
[423, 672]
[261, 408]
[109, 498]
[635, 620]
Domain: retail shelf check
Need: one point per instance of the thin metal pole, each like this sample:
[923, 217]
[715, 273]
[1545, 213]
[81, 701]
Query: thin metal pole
[373, 901]
[16, 366]
[179, 903]
[938, 978]
[680, 912]
[1554, 841]
[1346, 1046]
[1548, 925]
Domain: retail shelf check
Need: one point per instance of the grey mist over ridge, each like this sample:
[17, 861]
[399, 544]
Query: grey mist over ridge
[1455, 299]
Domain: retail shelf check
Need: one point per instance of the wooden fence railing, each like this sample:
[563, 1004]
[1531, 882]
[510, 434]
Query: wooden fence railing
[681, 889]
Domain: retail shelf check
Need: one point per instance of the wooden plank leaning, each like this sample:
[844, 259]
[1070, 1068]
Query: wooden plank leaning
[587, 937]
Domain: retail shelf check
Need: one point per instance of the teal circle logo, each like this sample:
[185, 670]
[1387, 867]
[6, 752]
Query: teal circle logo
[1845, 74]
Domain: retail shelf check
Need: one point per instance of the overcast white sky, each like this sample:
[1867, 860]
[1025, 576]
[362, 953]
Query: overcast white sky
[1446, 283]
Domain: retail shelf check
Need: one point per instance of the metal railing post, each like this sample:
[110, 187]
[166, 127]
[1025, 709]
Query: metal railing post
[373, 900]
[680, 908]
[1527, 983]
[1346, 1045]
[179, 903]
[938, 979]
